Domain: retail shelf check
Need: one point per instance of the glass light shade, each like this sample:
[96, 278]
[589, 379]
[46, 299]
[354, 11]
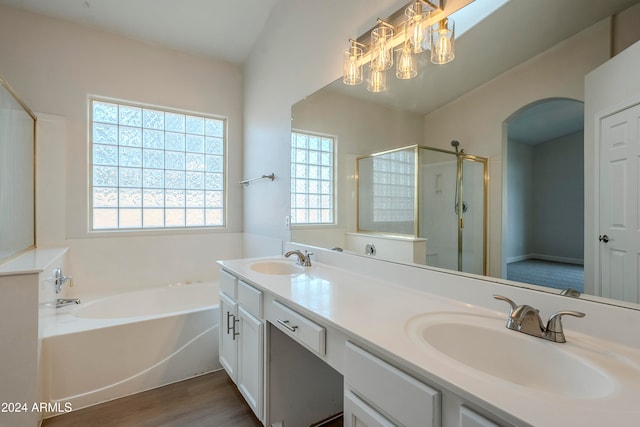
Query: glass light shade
[381, 50]
[377, 80]
[442, 41]
[352, 66]
[416, 32]
[406, 67]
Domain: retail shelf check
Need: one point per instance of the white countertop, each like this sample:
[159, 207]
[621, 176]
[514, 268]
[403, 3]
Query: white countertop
[377, 312]
[30, 261]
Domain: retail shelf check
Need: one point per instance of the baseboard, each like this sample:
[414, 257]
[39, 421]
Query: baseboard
[544, 257]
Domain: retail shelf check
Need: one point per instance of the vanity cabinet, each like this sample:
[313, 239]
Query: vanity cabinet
[242, 339]
[295, 368]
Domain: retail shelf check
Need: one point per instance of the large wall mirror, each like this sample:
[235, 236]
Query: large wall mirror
[514, 96]
[17, 179]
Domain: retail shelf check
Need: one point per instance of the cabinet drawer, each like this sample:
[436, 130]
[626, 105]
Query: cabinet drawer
[228, 284]
[303, 330]
[398, 395]
[250, 298]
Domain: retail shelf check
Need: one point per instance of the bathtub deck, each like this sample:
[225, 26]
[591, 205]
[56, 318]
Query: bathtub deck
[208, 400]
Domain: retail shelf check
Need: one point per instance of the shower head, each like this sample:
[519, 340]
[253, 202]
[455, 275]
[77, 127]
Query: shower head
[455, 144]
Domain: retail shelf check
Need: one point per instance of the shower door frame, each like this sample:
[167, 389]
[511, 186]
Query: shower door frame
[461, 156]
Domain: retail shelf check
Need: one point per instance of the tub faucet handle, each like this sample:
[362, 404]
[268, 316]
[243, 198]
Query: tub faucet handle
[59, 279]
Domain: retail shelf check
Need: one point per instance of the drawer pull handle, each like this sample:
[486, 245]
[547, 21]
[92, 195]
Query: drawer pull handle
[286, 324]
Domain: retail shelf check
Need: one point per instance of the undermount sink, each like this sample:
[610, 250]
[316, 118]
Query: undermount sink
[485, 345]
[276, 267]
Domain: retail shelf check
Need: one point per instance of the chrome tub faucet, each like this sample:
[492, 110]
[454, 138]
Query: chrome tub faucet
[59, 279]
[63, 302]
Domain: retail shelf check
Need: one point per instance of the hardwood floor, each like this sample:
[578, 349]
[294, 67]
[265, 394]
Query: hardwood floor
[210, 400]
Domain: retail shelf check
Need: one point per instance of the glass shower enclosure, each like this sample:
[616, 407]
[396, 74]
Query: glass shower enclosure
[429, 193]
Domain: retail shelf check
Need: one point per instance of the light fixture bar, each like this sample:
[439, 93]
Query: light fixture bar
[440, 12]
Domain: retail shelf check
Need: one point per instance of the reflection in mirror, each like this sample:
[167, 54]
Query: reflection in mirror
[515, 57]
[434, 199]
[387, 192]
[544, 230]
[17, 179]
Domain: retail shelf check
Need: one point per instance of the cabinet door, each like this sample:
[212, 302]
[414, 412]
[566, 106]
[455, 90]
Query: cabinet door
[358, 414]
[228, 329]
[251, 360]
[469, 418]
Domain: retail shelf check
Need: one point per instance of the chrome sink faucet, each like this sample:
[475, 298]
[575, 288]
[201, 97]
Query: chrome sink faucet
[303, 258]
[526, 319]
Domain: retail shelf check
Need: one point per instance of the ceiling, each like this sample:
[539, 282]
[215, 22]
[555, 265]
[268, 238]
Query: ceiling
[546, 120]
[221, 29]
[228, 29]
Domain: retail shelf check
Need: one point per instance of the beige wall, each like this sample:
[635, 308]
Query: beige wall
[476, 119]
[361, 128]
[294, 57]
[54, 65]
[626, 29]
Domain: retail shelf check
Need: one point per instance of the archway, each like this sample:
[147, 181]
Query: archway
[543, 229]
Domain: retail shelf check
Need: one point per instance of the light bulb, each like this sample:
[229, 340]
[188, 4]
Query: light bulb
[442, 42]
[382, 58]
[444, 45]
[352, 68]
[407, 67]
[377, 80]
[352, 75]
[417, 36]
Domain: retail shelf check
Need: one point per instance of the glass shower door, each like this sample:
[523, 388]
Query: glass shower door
[438, 221]
[452, 208]
[473, 223]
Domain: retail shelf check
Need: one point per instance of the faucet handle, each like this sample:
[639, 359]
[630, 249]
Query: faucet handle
[307, 258]
[554, 331]
[508, 301]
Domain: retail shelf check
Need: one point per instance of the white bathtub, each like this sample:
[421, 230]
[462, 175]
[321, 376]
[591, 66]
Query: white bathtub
[126, 343]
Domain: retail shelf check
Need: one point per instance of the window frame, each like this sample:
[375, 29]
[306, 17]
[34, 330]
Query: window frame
[158, 230]
[334, 181]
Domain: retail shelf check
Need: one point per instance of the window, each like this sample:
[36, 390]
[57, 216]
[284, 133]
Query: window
[394, 187]
[152, 168]
[312, 178]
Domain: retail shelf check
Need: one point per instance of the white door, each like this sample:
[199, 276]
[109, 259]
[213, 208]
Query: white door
[619, 209]
[251, 360]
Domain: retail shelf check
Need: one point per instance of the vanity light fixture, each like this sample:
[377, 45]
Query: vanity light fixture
[417, 36]
[407, 67]
[426, 26]
[352, 74]
[377, 80]
[381, 48]
[442, 38]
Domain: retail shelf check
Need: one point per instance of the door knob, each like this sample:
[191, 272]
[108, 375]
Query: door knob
[604, 238]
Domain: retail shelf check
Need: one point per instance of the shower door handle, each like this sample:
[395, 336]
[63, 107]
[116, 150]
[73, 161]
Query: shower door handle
[604, 238]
